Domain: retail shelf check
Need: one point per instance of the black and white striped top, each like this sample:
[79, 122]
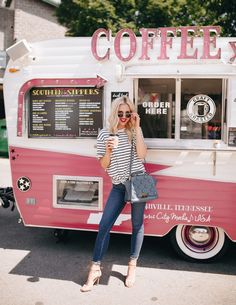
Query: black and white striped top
[120, 159]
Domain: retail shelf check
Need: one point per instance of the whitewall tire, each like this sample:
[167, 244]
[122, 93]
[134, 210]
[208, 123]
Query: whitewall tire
[199, 243]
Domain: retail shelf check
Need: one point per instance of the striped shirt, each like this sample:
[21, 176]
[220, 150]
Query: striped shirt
[119, 168]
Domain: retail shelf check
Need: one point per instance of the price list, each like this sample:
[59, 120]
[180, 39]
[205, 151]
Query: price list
[65, 112]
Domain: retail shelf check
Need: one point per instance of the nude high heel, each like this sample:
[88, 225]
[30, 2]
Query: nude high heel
[93, 278]
[130, 278]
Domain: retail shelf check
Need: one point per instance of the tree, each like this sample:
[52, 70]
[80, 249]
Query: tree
[153, 13]
[223, 13]
[83, 17]
[206, 12]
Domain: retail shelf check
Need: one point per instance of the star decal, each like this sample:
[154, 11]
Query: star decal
[23, 184]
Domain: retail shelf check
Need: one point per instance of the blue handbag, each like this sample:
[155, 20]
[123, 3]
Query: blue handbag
[140, 187]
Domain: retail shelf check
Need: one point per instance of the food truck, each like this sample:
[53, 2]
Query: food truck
[58, 95]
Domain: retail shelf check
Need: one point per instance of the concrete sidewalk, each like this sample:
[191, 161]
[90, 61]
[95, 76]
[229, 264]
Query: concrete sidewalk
[5, 173]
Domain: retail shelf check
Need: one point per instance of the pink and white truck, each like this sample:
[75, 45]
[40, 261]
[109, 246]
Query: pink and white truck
[58, 95]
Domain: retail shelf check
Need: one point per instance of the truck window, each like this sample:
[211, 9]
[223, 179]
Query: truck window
[77, 192]
[156, 107]
[201, 109]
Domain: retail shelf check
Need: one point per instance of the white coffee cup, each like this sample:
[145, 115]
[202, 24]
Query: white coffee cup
[115, 139]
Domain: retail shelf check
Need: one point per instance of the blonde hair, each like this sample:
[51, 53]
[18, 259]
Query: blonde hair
[113, 117]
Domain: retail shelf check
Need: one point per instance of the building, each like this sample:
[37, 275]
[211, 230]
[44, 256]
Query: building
[33, 20]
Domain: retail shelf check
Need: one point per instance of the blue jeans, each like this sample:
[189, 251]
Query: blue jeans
[113, 208]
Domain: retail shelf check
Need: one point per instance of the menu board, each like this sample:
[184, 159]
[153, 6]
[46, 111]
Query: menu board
[65, 112]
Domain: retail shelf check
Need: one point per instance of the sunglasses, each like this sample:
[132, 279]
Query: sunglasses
[121, 114]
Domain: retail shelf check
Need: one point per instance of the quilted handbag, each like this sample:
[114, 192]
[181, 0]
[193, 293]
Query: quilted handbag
[140, 187]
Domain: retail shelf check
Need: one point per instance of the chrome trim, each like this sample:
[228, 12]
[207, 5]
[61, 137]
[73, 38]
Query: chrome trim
[199, 234]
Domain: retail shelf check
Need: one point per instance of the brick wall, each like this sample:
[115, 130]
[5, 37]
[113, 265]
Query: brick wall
[35, 21]
[6, 27]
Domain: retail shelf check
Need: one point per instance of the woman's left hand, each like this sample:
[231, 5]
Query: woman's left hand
[135, 120]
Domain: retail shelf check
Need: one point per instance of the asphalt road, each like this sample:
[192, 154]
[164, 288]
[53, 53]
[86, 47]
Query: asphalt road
[37, 270]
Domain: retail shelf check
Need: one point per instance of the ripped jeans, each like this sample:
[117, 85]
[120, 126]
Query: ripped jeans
[113, 208]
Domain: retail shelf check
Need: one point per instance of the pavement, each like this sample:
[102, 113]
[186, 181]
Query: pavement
[153, 287]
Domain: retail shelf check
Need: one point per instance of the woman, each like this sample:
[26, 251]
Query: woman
[125, 123]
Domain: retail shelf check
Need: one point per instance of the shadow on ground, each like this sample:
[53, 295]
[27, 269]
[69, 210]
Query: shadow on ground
[69, 260]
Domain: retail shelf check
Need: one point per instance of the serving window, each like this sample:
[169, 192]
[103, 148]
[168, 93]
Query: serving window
[77, 192]
[181, 108]
[156, 107]
[201, 109]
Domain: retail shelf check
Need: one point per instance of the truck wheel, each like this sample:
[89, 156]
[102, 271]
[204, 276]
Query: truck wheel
[61, 235]
[196, 243]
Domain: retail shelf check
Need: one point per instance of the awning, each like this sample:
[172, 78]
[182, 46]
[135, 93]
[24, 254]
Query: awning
[181, 70]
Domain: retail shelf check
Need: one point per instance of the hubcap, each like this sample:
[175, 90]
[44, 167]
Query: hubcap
[200, 239]
[199, 235]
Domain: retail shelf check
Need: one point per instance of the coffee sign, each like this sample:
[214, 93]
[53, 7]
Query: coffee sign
[160, 41]
[201, 108]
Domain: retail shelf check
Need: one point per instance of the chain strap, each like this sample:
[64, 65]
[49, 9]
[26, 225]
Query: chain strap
[131, 157]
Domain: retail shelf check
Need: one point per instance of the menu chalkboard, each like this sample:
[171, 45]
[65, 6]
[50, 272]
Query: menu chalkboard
[65, 112]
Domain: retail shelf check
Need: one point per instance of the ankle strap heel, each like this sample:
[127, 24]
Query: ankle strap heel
[131, 273]
[93, 278]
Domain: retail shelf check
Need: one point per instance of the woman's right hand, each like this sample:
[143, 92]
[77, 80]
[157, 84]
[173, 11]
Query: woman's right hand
[110, 145]
[106, 159]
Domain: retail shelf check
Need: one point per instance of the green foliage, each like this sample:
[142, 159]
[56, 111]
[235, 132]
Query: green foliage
[223, 13]
[83, 17]
[153, 13]
[188, 12]
[206, 12]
